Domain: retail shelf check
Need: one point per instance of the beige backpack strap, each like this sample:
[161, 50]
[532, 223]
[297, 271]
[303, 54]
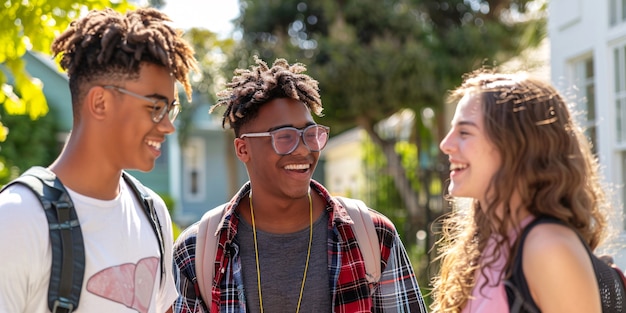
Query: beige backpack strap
[366, 236]
[206, 248]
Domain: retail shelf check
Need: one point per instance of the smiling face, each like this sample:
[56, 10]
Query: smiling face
[134, 141]
[473, 157]
[283, 176]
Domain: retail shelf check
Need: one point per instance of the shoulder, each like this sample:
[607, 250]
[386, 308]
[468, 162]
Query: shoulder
[184, 251]
[189, 234]
[384, 226]
[382, 222]
[386, 231]
[556, 239]
[557, 267]
[159, 205]
[185, 244]
[23, 224]
[17, 194]
[17, 203]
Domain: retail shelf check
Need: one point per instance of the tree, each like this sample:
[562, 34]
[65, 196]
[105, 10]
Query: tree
[30, 142]
[375, 57]
[31, 25]
[211, 54]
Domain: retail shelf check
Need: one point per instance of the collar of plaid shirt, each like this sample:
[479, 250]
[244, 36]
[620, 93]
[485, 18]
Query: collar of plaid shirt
[347, 292]
[397, 290]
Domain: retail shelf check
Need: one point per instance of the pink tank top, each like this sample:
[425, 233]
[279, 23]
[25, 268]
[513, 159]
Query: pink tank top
[492, 296]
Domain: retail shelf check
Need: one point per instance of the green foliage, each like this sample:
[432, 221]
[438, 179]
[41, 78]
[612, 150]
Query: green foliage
[170, 203]
[381, 191]
[30, 25]
[210, 52]
[33, 25]
[31, 142]
[374, 58]
[385, 198]
[176, 230]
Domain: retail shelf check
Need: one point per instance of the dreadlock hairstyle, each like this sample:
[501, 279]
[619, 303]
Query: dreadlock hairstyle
[251, 88]
[106, 45]
[546, 159]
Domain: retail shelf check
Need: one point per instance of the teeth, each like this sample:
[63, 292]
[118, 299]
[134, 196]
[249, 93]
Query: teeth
[154, 144]
[297, 166]
[457, 166]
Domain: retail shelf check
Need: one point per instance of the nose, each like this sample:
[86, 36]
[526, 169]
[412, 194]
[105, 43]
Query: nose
[166, 126]
[301, 148]
[446, 145]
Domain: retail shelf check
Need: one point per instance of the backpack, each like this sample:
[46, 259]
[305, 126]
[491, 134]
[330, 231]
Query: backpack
[611, 280]
[209, 226]
[66, 239]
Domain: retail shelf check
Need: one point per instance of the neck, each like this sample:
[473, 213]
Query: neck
[280, 217]
[86, 175]
[256, 252]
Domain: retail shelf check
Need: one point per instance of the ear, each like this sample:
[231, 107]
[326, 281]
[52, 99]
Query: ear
[241, 149]
[96, 102]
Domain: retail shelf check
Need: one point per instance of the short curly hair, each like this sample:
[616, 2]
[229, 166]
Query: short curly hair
[106, 45]
[251, 88]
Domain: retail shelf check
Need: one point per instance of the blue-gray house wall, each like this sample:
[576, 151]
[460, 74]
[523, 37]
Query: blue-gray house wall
[214, 174]
[55, 87]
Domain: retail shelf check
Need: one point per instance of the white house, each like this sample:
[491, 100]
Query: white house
[588, 61]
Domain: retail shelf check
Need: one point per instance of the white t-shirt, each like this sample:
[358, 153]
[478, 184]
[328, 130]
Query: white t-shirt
[122, 270]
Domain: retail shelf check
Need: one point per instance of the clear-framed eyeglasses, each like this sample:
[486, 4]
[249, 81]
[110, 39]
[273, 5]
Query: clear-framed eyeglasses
[160, 106]
[286, 139]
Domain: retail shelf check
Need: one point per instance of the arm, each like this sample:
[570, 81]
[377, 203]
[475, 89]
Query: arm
[397, 290]
[189, 301]
[25, 247]
[559, 272]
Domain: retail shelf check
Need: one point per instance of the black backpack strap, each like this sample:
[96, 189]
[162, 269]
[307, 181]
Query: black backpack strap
[148, 207]
[517, 292]
[66, 239]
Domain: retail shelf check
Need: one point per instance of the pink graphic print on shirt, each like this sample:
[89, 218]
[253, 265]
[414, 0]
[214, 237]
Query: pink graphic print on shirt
[129, 284]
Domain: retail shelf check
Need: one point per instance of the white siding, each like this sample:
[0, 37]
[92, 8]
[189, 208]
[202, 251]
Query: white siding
[583, 29]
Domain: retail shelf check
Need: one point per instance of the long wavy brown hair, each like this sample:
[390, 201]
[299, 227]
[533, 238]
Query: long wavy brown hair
[546, 159]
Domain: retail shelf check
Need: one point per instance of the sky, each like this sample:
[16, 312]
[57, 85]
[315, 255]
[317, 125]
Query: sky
[214, 15]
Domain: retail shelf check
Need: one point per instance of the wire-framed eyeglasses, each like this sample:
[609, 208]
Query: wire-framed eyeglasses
[160, 106]
[285, 140]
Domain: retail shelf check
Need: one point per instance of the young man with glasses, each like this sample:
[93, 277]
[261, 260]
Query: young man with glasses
[122, 71]
[284, 244]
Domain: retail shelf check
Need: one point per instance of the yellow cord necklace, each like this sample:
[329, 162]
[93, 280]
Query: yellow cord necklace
[256, 252]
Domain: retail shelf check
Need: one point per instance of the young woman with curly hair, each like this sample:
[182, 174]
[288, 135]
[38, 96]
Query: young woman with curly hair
[517, 153]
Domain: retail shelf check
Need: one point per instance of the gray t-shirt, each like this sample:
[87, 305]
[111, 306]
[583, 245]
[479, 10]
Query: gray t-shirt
[282, 259]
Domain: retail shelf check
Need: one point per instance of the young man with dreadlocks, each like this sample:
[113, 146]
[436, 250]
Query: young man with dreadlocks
[284, 243]
[122, 73]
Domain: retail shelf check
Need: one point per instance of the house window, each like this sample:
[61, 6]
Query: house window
[585, 98]
[617, 12]
[194, 170]
[619, 57]
[619, 87]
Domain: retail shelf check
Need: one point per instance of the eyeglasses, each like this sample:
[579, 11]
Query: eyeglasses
[285, 140]
[160, 106]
